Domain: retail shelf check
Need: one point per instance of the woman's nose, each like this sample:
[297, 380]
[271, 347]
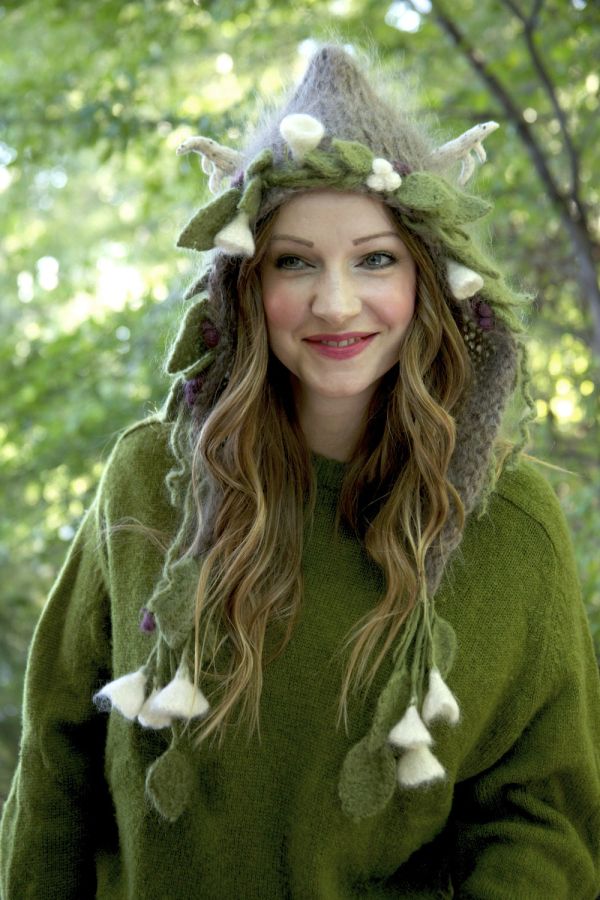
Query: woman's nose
[336, 298]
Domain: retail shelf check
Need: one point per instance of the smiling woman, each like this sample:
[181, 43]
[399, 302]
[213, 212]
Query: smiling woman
[337, 314]
[321, 527]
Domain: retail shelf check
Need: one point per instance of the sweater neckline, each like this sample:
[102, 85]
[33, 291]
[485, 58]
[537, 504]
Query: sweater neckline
[329, 472]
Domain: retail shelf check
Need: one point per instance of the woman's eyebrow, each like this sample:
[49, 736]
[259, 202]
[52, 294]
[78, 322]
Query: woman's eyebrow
[371, 237]
[289, 237]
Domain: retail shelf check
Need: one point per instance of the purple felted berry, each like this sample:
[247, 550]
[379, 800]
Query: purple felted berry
[401, 168]
[148, 623]
[191, 390]
[210, 334]
[238, 179]
[484, 315]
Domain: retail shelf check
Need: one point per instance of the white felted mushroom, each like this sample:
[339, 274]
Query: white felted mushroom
[302, 133]
[125, 694]
[149, 718]
[410, 730]
[236, 238]
[179, 699]
[419, 766]
[463, 282]
[384, 177]
[440, 702]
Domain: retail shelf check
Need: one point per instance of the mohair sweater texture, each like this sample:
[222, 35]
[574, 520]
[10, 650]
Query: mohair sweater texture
[517, 817]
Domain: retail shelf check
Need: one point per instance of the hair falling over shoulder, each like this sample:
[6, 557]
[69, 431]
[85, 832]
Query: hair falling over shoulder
[253, 489]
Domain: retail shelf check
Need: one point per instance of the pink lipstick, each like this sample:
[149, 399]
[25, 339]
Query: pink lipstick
[340, 346]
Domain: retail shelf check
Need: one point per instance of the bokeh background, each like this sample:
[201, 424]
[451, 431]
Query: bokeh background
[94, 99]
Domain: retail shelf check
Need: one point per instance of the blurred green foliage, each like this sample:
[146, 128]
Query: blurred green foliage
[94, 99]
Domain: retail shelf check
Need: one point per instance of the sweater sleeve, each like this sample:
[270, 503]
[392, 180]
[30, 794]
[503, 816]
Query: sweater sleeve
[529, 826]
[58, 798]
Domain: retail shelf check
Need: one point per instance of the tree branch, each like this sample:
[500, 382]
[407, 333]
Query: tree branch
[529, 25]
[575, 224]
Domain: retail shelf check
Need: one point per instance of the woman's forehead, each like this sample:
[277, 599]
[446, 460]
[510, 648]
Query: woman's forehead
[319, 210]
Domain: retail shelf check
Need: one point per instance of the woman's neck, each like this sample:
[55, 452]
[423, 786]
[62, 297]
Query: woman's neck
[331, 425]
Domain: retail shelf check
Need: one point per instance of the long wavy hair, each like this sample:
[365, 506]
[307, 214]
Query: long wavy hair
[254, 491]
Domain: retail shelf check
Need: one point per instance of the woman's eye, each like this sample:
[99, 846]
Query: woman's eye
[289, 262]
[378, 260]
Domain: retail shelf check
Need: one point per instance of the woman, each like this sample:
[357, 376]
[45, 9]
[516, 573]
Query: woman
[346, 541]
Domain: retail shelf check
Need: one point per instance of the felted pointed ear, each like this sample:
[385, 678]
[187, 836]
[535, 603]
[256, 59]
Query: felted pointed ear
[223, 158]
[461, 149]
[199, 233]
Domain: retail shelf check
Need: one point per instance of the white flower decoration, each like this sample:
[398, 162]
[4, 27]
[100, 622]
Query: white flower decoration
[179, 699]
[419, 766]
[440, 702]
[410, 731]
[384, 178]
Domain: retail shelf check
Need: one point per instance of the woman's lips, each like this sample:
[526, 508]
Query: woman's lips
[351, 343]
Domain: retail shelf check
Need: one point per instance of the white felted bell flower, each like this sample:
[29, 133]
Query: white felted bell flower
[384, 177]
[236, 238]
[419, 766]
[125, 694]
[149, 718]
[440, 702]
[463, 282]
[410, 731]
[302, 133]
[179, 699]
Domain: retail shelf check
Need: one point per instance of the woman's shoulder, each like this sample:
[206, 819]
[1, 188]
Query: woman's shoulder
[525, 497]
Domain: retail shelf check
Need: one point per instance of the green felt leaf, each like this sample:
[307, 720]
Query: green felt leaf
[188, 343]
[169, 784]
[356, 157]
[391, 704]
[444, 645]
[427, 193]
[367, 780]
[261, 162]
[173, 602]
[321, 162]
[250, 202]
[199, 233]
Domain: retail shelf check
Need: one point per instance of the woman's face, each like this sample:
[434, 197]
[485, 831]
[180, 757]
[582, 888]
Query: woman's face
[338, 288]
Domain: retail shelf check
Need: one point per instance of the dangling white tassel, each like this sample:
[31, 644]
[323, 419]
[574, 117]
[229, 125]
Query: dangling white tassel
[149, 718]
[302, 133]
[419, 766]
[410, 731]
[236, 238]
[440, 702]
[125, 694]
[179, 698]
[463, 282]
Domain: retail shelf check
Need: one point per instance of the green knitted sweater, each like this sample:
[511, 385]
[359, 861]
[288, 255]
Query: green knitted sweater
[517, 817]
